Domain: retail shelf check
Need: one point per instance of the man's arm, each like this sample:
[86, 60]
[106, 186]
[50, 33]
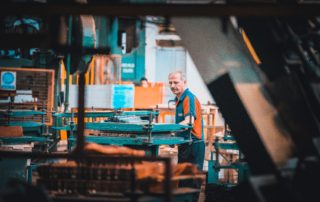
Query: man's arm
[186, 120]
[188, 110]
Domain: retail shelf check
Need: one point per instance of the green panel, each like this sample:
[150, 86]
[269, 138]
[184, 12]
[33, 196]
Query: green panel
[21, 113]
[87, 114]
[23, 124]
[11, 169]
[130, 128]
[213, 174]
[139, 113]
[102, 31]
[136, 128]
[128, 66]
[132, 141]
[231, 146]
[23, 140]
[133, 63]
[140, 54]
[113, 37]
[107, 114]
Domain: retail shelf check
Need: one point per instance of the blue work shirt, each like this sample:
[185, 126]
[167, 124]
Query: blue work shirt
[187, 105]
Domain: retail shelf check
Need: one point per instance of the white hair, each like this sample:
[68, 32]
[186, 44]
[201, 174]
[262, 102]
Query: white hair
[182, 74]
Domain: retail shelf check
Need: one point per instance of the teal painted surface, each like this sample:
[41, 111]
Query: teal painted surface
[20, 113]
[113, 37]
[23, 124]
[107, 114]
[133, 63]
[214, 166]
[87, 114]
[139, 113]
[231, 146]
[136, 128]
[57, 87]
[141, 143]
[140, 53]
[213, 174]
[102, 31]
[12, 168]
[23, 140]
[243, 171]
[129, 66]
[132, 141]
[130, 128]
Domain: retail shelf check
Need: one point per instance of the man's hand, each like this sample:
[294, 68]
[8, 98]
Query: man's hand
[186, 120]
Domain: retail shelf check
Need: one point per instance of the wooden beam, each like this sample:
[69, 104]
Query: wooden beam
[124, 9]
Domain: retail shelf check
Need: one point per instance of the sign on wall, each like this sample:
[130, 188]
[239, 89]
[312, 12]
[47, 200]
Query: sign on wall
[8, 80]
[113, 96]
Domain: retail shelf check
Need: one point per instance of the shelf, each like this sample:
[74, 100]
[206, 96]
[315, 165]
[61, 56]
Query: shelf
[24, 124]
[20, 113]
[98, 114]
[130, 128]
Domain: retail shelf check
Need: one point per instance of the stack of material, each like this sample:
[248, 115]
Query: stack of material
[11, 131]
[90, 177]
[151, 175]
[112, 150]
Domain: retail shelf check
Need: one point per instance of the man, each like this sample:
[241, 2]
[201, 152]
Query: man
[188, 110]
[144, 82]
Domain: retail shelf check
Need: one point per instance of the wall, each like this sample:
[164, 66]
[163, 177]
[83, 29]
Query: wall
[150, 57]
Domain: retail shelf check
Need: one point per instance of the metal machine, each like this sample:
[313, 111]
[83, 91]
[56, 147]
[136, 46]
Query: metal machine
[229, 162]
[125, 128]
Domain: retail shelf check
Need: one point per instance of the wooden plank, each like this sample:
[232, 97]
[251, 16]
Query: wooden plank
[11, 131]
[26, 69]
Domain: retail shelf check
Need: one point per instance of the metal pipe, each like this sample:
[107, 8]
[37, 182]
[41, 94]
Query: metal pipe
[81, 103]
[217, 160]
[190, 129]
[150, 128]
[125, 9]
[167, 180]
[43, 120]
[72, 125]
[68, 64]
[133, 184]
[53, 155]
[57, 86]
[157, 111]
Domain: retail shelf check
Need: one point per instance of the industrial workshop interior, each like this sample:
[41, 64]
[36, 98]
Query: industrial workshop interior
[159, 100]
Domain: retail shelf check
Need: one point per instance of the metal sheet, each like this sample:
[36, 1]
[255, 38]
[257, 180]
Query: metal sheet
[25, 124]
[134, 141]
[130, 128]
[96, 114]
[20, 113]
[21, 140]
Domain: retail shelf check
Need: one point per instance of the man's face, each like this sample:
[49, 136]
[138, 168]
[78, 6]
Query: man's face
[177, 85]
[144, 83]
